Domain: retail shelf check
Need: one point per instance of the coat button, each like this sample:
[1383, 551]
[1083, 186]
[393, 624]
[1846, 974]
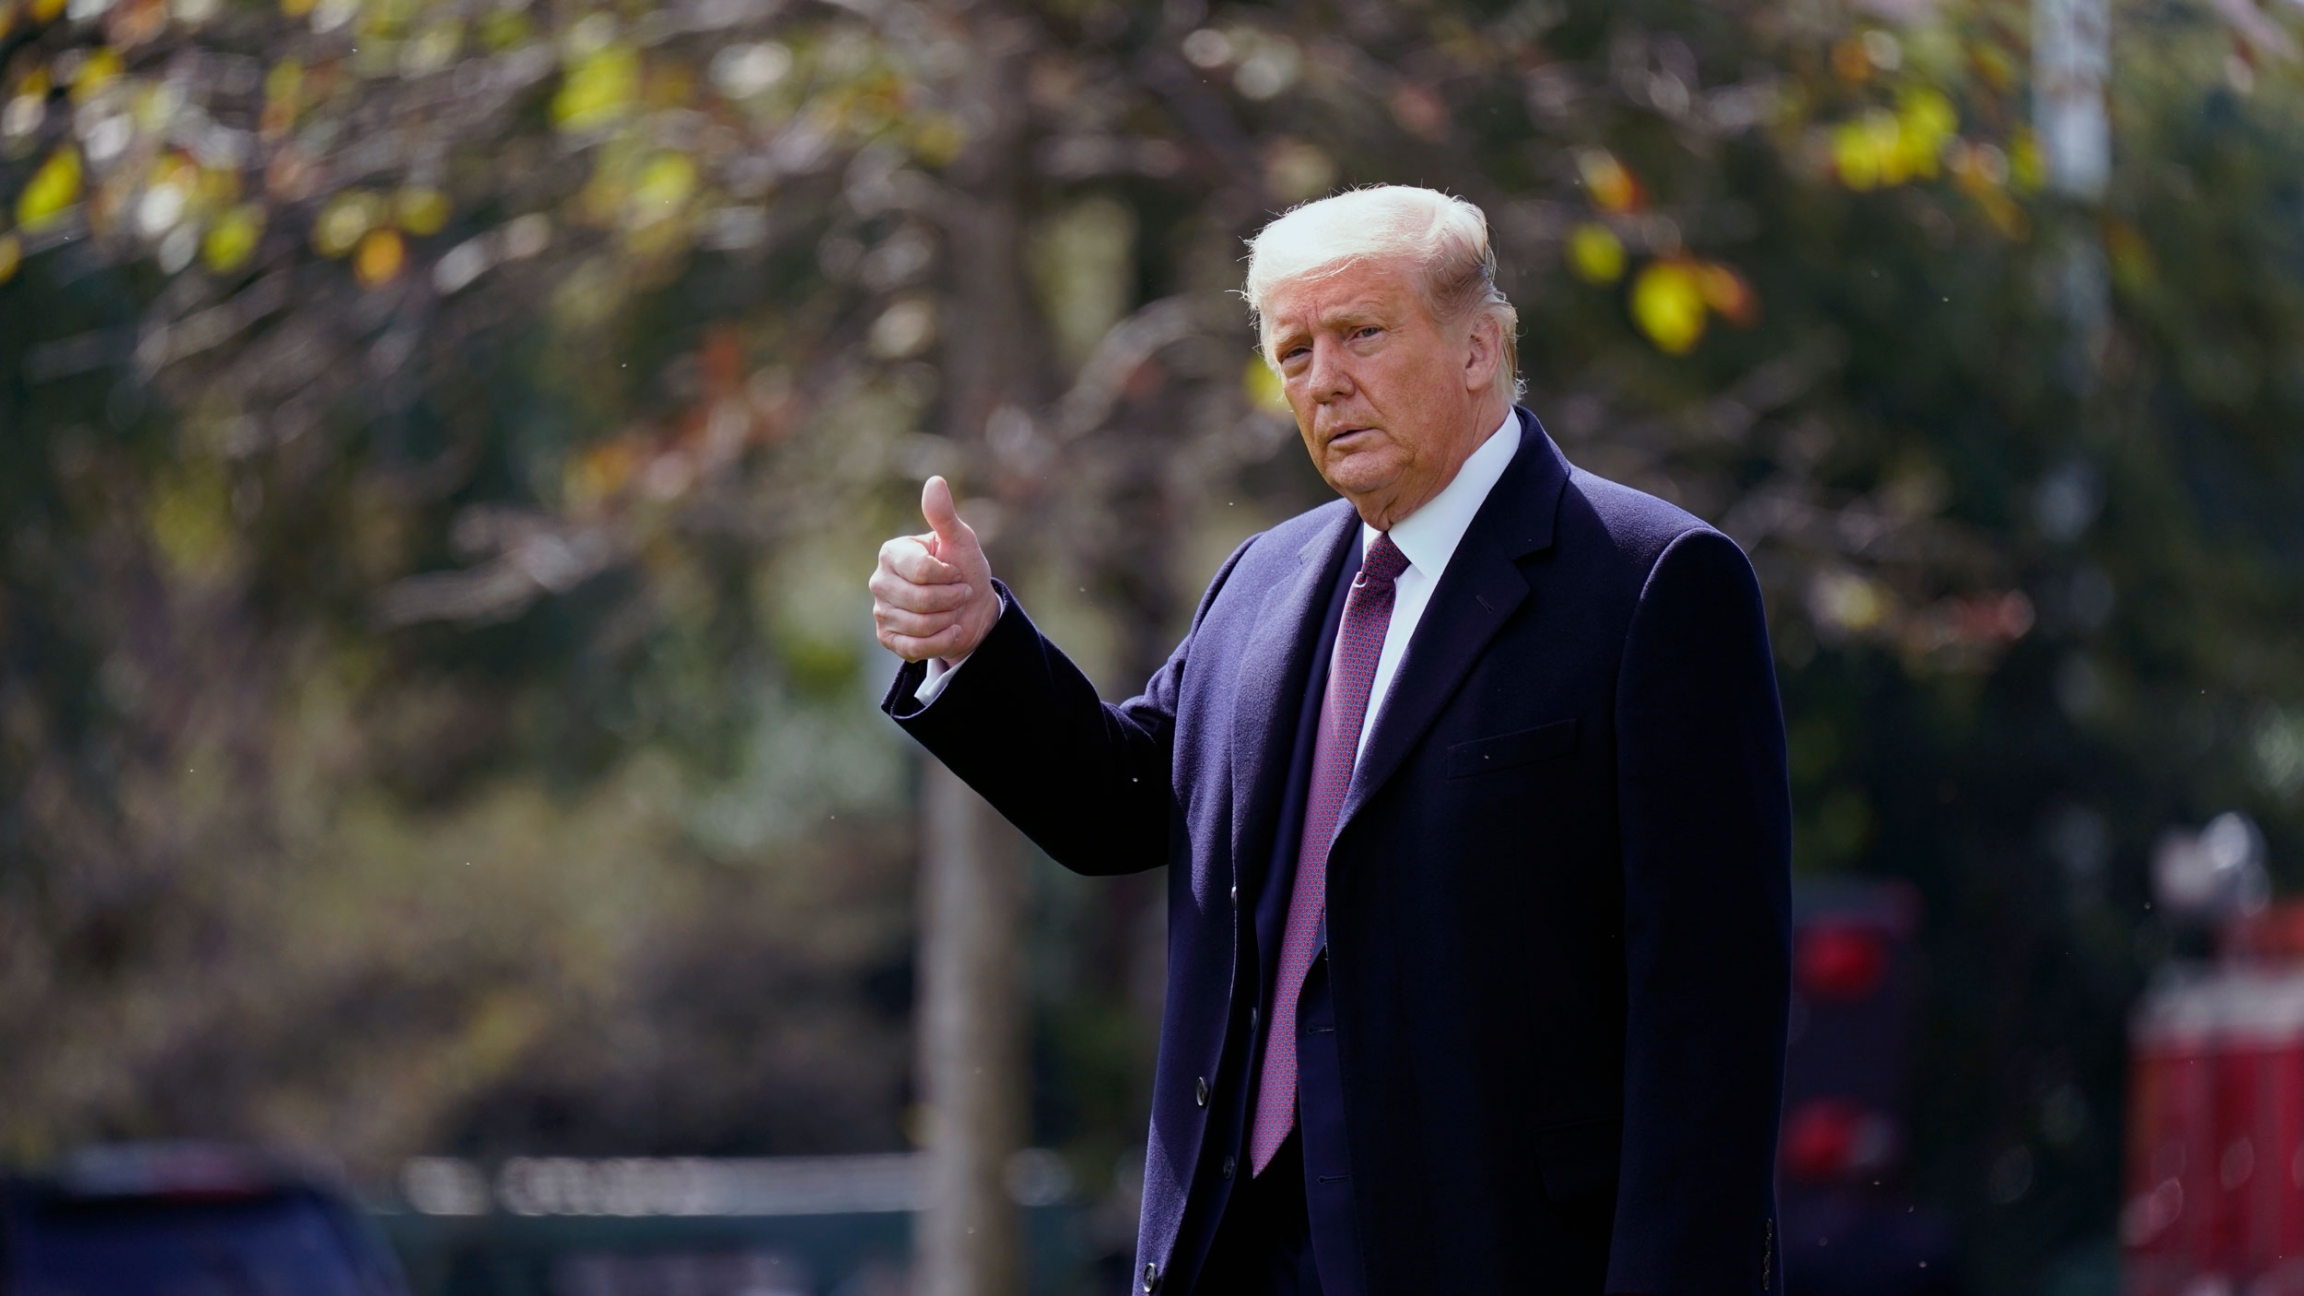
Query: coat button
[1151, 1275]
[1252, 1019]
[1235, 893]
[1230, 1164]
[1200, 1091]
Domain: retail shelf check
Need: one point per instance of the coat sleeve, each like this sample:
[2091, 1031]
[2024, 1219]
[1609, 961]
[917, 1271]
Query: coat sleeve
[1089, 781]
[1705, 824]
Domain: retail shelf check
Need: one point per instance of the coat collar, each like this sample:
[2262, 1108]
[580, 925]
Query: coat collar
[1271, 684]
[1479, 591]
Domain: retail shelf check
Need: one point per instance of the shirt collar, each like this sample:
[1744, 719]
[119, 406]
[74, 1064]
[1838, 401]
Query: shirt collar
[1429, 536]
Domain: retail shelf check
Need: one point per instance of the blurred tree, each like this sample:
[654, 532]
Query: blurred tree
[424, 424]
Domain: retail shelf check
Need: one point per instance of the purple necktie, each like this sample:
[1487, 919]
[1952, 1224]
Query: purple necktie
[1359, 642]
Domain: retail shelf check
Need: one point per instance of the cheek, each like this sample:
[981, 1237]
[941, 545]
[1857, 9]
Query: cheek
[1408, 411]
[1302, 410]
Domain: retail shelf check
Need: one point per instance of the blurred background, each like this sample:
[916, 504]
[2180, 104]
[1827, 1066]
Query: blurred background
[442, 444]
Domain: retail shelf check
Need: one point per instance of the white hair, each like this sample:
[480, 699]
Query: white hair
[1445, 238]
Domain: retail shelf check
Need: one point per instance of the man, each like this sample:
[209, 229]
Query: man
[1471, 791]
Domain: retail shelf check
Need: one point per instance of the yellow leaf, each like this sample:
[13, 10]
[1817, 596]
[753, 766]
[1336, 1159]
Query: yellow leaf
[937, 139]
[11, 256]
[47, 10]
[380, 258]
[51, 191]
[600, 471]
[1668, 305]
[420, 210]
[1595, 253]
[503, 28]
[1996, 66]
[1849, 601]
[1264, 388]
[1926, 123]
[665, 183]
[432, 48]
[2027, 168]
[599, 89]
[101, 68]
[1612, 185]
[1868, 153]
[345, 221]
[296, 8]
[173, 169]
[285, 82]
[233, 238]
[1726, 292]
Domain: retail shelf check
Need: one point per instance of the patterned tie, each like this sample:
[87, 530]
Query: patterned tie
[1359, 642]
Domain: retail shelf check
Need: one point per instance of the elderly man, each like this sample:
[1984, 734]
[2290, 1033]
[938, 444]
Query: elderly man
[1471, 791]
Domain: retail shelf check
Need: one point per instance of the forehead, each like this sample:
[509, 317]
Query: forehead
[1359, 288]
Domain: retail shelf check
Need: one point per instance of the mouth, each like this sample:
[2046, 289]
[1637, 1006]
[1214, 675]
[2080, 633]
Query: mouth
[1350, 439]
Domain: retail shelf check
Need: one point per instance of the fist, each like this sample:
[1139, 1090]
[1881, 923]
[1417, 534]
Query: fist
[932, 594]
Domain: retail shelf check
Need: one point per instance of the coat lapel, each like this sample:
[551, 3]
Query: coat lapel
[1272, 668]
[1478, 592]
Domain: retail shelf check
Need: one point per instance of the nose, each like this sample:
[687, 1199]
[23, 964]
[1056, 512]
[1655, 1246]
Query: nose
[1328, 377]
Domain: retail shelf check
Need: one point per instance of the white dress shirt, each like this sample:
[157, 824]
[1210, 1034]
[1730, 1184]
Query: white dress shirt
[1427, 538]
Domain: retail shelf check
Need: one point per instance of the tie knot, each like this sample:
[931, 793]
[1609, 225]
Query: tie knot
[1384, 561]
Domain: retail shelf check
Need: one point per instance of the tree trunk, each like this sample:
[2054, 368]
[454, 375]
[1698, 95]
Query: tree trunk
[973, 1015]
[971, 1041]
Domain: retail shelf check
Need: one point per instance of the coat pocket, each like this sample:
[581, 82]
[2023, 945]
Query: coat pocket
[1506, 751]
[1580, 1160]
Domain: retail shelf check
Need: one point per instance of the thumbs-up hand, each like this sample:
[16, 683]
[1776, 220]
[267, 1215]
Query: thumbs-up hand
[932, 593]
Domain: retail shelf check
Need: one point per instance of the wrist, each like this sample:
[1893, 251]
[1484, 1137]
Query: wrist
[987, 615]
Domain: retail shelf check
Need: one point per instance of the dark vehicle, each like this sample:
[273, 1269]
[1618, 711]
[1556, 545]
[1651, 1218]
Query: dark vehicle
[187, 1220]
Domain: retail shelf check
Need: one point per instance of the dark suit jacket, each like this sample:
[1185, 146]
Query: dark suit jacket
[1558, 941]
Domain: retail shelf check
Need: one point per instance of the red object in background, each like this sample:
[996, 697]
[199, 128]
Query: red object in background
[1840, 961]
[1829, 1139]
[1817, 1138]
[2260, 1128]
[2215, 1176]
[2167, 1222]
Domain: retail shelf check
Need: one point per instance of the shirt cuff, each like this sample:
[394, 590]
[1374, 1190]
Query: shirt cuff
[932, 683]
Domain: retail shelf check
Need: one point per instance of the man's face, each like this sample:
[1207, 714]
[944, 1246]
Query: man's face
[1390, 402]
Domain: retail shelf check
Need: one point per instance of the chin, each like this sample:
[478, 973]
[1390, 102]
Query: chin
[1356, 477]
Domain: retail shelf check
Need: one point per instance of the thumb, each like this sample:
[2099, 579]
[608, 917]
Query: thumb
[953, 536]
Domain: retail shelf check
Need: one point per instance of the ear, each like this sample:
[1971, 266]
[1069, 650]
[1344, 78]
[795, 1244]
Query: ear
[1483, 352]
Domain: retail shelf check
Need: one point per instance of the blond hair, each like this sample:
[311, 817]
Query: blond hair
[1446, 238]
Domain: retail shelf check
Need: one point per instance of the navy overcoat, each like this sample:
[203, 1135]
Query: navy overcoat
[1557, 910]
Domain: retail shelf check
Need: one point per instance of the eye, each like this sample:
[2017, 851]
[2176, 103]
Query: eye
[1366, 331]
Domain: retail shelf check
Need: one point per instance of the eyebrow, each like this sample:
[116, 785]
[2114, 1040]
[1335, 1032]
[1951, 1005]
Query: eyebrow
[1358, 311]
